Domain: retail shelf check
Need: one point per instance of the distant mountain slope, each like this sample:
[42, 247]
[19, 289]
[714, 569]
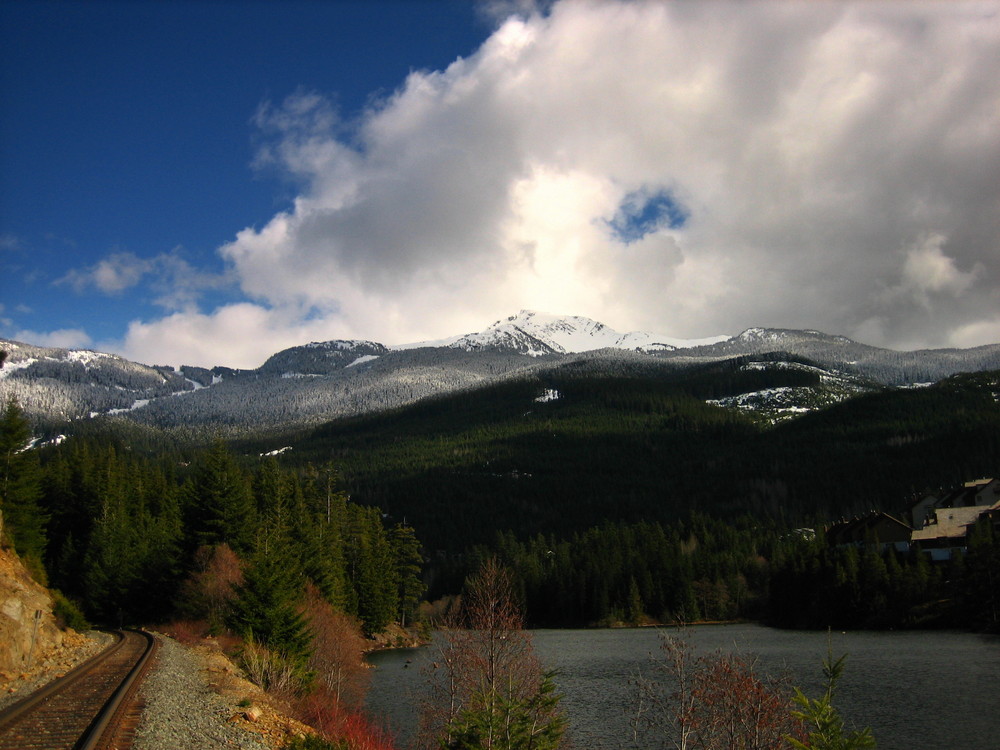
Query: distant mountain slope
[64, 384]
[320, 381]
[883, 365]
[283, 395]
[321, 358]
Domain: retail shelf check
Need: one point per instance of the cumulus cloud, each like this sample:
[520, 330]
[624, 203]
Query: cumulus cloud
[111, 275]
[236, 335]
[63, 338]
[173, 282]
[688, 168]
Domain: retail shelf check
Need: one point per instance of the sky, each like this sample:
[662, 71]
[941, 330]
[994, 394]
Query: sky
[208, 182]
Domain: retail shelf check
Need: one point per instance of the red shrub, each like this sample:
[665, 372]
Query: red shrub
[338, 724]
[188, 632]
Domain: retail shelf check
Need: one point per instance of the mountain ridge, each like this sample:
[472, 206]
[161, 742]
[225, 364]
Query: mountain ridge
[325, 380]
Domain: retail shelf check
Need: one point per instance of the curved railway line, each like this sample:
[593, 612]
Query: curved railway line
[92, 707]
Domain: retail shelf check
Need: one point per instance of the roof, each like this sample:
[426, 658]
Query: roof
[951, 522]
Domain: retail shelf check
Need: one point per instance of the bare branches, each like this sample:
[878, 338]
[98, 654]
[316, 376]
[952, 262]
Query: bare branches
[487, 688]
[711, 702]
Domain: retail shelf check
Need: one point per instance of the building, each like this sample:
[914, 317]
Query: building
[874, 528]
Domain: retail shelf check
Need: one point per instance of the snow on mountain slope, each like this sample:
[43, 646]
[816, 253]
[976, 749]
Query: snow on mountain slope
[323, 380]
[536, 334]
[320, 357]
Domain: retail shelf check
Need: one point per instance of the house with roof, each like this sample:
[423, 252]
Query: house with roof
[947, 524]
[981, 493]
[875, 527]
[939, 526]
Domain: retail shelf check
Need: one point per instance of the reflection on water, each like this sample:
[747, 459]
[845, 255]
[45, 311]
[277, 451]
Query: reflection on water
[927, 690]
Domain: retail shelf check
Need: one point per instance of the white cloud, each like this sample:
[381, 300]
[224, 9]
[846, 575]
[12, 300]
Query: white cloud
[175, 284]
[975, 334]
[808, 142]
[237, 335]
[63, 338]
[111, 275]
[928, 270]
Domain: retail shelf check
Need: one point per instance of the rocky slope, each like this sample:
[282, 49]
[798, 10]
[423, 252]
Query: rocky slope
[33, 647]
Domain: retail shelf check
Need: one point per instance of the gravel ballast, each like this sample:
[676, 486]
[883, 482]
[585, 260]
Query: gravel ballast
[183, 712]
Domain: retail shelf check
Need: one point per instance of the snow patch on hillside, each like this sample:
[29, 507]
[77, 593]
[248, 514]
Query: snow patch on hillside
[138, 404]
[85, 356]
[9, 367]
[361, 360]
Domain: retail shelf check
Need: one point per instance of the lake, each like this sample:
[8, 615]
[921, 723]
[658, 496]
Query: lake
[930, 690]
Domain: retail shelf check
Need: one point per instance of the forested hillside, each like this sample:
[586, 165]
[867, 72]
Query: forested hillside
[137, 538]
[574, 448]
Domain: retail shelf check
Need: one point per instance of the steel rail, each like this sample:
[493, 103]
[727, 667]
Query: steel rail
[100, 725]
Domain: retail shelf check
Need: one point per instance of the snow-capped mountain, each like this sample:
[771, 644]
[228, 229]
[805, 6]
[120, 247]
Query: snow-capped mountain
[324, 380]
[321, 358]
[537, 334]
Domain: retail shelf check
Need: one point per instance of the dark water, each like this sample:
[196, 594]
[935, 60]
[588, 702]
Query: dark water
[916, 690]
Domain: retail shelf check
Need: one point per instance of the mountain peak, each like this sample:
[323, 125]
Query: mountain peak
[538, 333]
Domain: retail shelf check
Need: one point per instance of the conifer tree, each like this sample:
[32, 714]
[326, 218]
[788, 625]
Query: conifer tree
[20, 487]
[265, 607]
[372, 568]
[319, 522]
[409, 561]
[218, 501]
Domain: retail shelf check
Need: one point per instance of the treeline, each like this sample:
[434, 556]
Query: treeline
[694, 569]
[703, 569]
[125, 535]
[849, 586]
[691, 570]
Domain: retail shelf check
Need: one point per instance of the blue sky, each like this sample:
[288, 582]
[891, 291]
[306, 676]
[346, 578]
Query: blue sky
[207, 182]
[127, 127]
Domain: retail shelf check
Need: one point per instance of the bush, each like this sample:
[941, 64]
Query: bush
[272, 670]
[342, 728]
[67, 614]
[337, 656]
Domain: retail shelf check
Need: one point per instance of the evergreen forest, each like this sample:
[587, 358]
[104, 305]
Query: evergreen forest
[613, 497]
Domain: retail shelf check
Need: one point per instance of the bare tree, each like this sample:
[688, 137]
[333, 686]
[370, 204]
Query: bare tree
[207, 591]
[487, 686]
[338, 647]
[713, 702]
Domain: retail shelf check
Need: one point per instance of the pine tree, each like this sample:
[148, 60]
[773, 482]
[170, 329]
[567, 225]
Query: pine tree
[20, 487]
[409, 561]
[319, 523]
[373, 568]
[823, 722]
[265, 609]
[218, 502]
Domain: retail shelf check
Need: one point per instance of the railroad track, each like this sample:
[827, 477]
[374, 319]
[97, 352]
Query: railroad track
[92, 707]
